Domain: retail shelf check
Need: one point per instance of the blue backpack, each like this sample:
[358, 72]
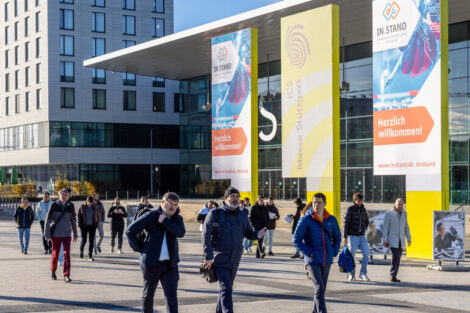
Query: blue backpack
[346, 261]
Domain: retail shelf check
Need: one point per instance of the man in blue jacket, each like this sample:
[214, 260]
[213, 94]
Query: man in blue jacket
[318, 237]
[226, 252]
[159, 254]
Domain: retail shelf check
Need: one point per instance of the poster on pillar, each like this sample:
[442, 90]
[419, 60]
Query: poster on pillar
[232, 113]
[449, 236]
[407, 90]
[310, 99]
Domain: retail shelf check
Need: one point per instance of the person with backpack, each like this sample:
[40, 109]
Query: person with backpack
[89, 217]
[273, 216]
[24, 218]
[318, 237]
[299, 207]
[222, 237]
[259, 217]
[117, 213]
[159, 254]
[143, 207]
[356, 222]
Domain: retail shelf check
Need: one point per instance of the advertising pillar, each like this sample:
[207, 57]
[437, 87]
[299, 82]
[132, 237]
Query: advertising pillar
[234, 117]
[310, 101]
[410, 69]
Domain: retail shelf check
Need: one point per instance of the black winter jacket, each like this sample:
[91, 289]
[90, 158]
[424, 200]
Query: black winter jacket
[356, 221]
[297, 216]
[117, 220]
[272, 222]
[24, 217]
[259, 216]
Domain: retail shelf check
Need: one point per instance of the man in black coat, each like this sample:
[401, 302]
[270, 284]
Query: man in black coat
[159, 254]
[117, 213]
[300, 206]
[259, 218]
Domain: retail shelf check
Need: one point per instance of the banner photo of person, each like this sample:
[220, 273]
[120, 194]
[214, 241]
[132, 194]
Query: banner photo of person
[374, 233]
[448, 234]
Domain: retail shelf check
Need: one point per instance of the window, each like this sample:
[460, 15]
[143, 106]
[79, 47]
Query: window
[98, 3]
[26, 76]
[15, 7]
[38, 98]
[158, 102]
[66, 19]
[6, 9]
[128, 43]
[128, 4]
[26, 101]
[128, 79]
[38, 21]
[7, 82]
[16, 31]
[129, 100]
[67, 71]
[17, 53]
[26, 5]
[128, 25]
[26, 26]
[67, 97]
[7, 106]
[66, 45]
[38, 73]
[179, 102]
[26, 51]
[17, 79]
[158, 6]
[158, 82]
[66, 1]
[7, 52]
[6, 35]
[38, 47]
[98, 76]
[98, 22]
[158, 28]
[98, 46]
[17, 104]
[99, 99]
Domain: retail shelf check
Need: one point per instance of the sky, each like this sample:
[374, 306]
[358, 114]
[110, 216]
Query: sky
[192, 13]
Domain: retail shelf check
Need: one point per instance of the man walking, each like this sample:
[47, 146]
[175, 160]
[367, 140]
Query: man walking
[41, 213]
[224, 251]
[295, 220]
[102, 212]
[395, 230]
[318, 237]
[24, 218]
[117, 213]
[88, 220]
[273, 217]
[356, 222]
[159, 253]
[259, 217]
[62, 213]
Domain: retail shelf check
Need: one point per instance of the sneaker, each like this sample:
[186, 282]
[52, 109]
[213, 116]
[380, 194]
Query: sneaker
[395, 280]
[99, 249]
[53, 276]
[249, 250]
[351, 277]
[120, 251]
[111, 250]
[81, 254]
[295, 256]
[96, 251]
[271, 253]
[91, 259]
[364, 277]
[61, 263]
[263, 255]
[45, 251]
[67, 279]
[25, 252]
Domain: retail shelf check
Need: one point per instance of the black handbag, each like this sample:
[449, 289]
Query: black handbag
[209, 274]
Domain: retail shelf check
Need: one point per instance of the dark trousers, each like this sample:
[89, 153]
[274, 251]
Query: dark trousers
[226, 277]
[319, 276]
[260, 247]
[89, 230]
[169, 277]
[47, 244]
[396, 257]
[117, 231]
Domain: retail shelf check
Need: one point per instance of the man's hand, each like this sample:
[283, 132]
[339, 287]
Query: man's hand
[262, 232]
[161, 218]
[386, 244]
[74, 239]
[208, 264]
[345, 242]
[409, 243]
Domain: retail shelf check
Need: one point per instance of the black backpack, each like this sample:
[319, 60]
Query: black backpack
[143, 233]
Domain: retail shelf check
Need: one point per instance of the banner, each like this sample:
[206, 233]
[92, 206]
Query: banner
[232, 115]
[449, 236]
[374, 233]
[407, 89]
[310, 98]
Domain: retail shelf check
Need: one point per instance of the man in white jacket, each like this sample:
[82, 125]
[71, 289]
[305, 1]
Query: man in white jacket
[395, 230]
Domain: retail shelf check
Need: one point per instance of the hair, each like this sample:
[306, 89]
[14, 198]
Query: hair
[358, 196]
[64, 191]
[24, 198]
[143, 198]
[371, 223]
[69, 190]
[247, 199]
[171, 196]
[90, 199]
[298, 201]
[117, 199]
[46, 193]
[320, 196]
[96, 194]
[439, 225]
[260, 197]
[270, 198]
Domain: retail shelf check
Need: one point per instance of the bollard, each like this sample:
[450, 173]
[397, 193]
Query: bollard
[138, 194]
[127, 195]
[106, 193]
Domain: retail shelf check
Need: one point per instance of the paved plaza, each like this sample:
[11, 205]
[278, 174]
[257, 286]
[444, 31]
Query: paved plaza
[278, 284]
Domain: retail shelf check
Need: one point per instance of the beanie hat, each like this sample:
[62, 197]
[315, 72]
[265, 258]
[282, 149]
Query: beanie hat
[230, 191]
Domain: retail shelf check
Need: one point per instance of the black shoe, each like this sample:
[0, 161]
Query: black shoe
[25, 252]
[263, 255]
[258, 256]
[395, 280]
[271, 253]
[53, 276]
[295, 256]
[99, 249]
[81, 254]
[50, 251]
[67, 279]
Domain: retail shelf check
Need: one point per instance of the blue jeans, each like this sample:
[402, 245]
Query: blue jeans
[247, 243]
[361, 243]
[319, 277]
[225, 276]
[24, 233]
[268, 239]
